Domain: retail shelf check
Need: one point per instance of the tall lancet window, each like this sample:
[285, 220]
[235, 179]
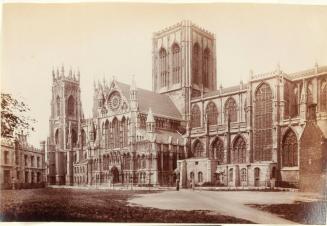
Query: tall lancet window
[176, 63]
[196, 63]
[58, 105]
[206, 67]
[164, 70]
[71, 106]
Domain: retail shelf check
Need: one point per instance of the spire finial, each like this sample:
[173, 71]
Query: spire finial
[278, 67]
[150, 118]
[316, 67]
[62, 70]
[133, 85]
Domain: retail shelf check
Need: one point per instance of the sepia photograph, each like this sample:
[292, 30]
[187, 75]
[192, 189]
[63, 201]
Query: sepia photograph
[173, 112]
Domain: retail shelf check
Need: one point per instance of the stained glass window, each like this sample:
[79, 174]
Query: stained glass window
[196, 116]
[230, 110]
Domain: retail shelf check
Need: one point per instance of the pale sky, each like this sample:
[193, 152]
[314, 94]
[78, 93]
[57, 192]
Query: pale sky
[107, 39]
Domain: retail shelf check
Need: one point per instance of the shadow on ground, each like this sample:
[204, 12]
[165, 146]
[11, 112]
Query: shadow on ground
[93, 206]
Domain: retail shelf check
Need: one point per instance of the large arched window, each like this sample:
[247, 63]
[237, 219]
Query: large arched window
[115, 131]
[176, 63]
[206, 67]
[124, 127]
[239, 151]
[218, 150]
[106, 134]
[195, 116]
[212, 113]
[230, 110]
[198, 149]
[323, 96]
[71, 106]
[164, 72]
[290, 149]
[196, 63]
[263, 123]
[58, 106]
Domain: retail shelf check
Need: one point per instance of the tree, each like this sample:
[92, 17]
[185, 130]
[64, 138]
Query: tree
[13, 116]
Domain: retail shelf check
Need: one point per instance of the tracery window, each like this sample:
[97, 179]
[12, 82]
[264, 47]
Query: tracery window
[323, 96]
[196, 63]
[206, 67]
[176, 63]
[243, 175]
[212, 113]
[164, 71]
[71, 106]
[218, 150]
[74, 138]
[239, 150]
[198, 149]
[263, 123]
[58, 105]
[195, 116]
[294, 111]
[230, 110]
[290, 149]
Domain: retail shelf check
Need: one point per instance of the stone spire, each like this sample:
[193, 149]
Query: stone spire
[150, 118]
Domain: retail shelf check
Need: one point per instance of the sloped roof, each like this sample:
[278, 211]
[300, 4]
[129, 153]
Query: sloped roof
[160, 104]
[308, 72]
[229, 89]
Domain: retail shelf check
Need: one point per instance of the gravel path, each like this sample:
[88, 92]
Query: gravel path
[227, 203]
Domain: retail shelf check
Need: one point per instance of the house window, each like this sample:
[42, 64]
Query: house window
[38, 162]
[200, 177]
[243, 175]
[263, 123]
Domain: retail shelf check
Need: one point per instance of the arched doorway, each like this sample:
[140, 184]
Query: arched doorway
[114, 174]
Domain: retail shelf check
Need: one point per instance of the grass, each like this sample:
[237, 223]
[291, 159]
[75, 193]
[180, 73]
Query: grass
[299, 212]
[93, 205]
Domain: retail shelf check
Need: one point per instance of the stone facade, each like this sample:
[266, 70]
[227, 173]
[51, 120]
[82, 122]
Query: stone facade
[22, 165]
[186, 128]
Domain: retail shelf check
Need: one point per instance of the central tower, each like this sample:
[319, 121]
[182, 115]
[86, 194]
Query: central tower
[183, 63]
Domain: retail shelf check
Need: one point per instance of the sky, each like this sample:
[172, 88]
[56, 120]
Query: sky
[115, 39]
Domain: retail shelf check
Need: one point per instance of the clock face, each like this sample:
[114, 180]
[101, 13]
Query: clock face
[114, 100]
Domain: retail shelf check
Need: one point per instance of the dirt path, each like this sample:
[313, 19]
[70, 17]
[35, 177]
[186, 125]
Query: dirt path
[227, 203]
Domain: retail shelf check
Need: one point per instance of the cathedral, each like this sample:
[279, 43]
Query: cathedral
[269, 131]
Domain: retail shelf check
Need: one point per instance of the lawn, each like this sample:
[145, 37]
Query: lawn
[300, 212]
[78, 205]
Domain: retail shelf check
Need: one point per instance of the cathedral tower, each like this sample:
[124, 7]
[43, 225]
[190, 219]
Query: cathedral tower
[184, 63]
[64, 125]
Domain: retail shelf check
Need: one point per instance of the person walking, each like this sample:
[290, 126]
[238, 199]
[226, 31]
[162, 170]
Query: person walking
[177, 184]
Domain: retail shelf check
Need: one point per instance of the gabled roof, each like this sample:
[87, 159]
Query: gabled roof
[160, 104]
